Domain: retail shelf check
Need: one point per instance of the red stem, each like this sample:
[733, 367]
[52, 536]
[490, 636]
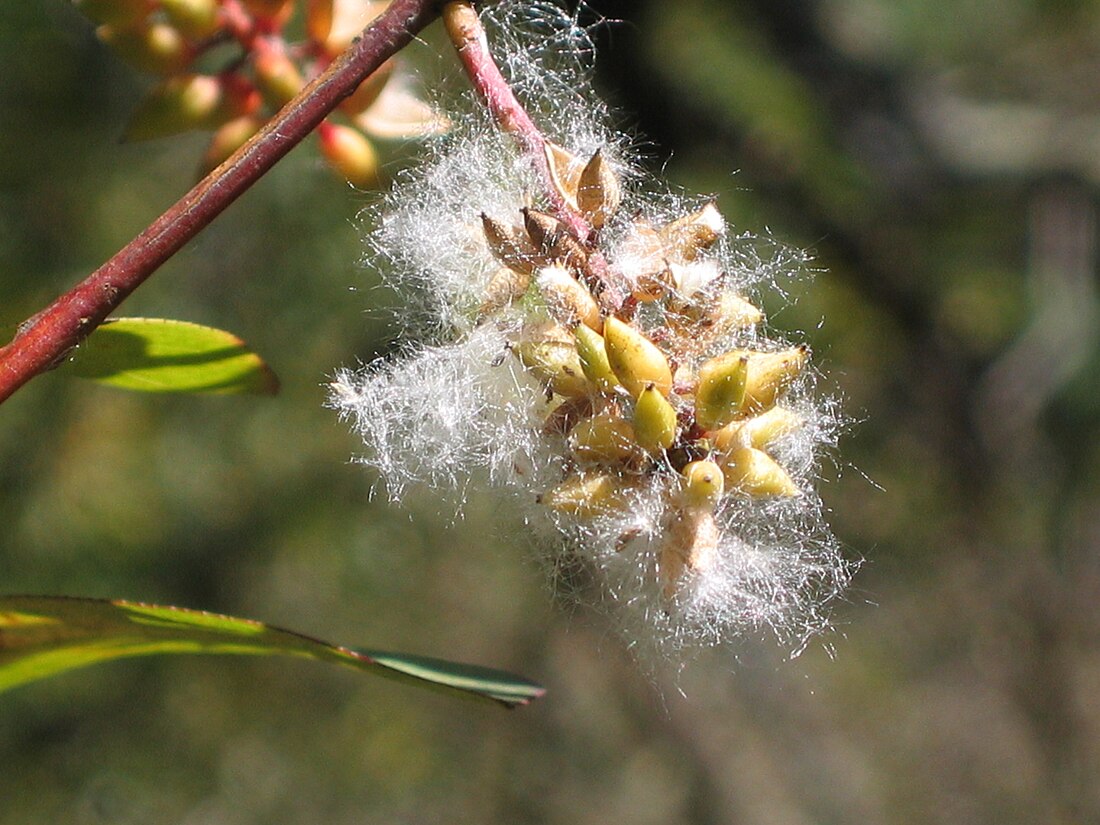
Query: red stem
[468, 36]
[43, 340]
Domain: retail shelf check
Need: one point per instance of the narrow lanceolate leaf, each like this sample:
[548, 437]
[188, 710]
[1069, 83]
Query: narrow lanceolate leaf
[43, 636]
[160, 355]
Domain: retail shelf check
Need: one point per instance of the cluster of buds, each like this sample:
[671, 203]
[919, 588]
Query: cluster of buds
[226, 66]
[635, 400]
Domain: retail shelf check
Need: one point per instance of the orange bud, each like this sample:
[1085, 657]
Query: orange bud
[368, 91]
[274, 13]
[276, 74]
[350, 153]
[228, 138]
[319, 19]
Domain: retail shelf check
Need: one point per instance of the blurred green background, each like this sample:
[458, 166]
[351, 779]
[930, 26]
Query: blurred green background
[942, 163]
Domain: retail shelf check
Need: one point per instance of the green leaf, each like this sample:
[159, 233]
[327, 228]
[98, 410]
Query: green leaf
[42, 636]
[160, 355]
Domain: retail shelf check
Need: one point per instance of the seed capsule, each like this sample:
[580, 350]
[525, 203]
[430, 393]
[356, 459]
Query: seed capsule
[756, 473]
[654, 421]
[505, 287]
[568, 300]
[546, 350]
[593, 355]
[605, 437]
[553, 240]
[703, 483]
[635, 359]
[565, 171]
[508, 246]
[686, 237]
[720, 391]
[598, 191]
[758, 431]
[770, 374]
[587, 495]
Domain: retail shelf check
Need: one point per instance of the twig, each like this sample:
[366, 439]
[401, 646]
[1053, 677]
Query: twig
[43, 340]
[468, 36]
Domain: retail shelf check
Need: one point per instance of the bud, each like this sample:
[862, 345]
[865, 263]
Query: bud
[505, 287]
[634, 359]
[273, 13]
[227, 139]
[598, 191]
[319, 15]
[593, 355]
[587, 495]
[177, 105]
[757, 432]
[350, 153]
[654, 421]
[546, 350]
[606, 437]
[720, 390]
[686, 237]
[346, 21]
[704, 483]
[367, 92]
[691, 544]
[568, 300]
[276, 74]
[508, 246]
[770, 374]
[196, 19]
[756, 473]
[157, 48]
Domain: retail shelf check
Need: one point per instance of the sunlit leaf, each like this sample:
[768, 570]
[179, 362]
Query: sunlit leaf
[161, 355]
[43, 636]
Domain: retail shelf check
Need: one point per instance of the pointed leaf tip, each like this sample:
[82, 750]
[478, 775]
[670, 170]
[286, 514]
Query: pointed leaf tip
[161, 355]
[44, 636]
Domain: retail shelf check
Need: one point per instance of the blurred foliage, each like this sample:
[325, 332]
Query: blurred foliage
[942, 164]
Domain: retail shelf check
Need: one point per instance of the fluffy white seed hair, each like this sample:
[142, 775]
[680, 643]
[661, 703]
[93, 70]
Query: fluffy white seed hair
[453, 411]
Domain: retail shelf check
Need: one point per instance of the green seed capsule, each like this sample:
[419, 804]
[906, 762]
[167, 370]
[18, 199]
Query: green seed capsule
[606, 437]
[654, 421]
[593, 355]
[757, 474]
[758, 431]
[635, 359]
[586, 495]
[547, 351]
[720, 391]
[770, 374]
[704, 483]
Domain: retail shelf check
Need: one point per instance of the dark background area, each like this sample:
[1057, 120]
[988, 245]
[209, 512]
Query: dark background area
[941, 163]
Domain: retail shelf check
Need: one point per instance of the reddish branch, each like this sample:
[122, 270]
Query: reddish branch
[45, 339]
[468, 37]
